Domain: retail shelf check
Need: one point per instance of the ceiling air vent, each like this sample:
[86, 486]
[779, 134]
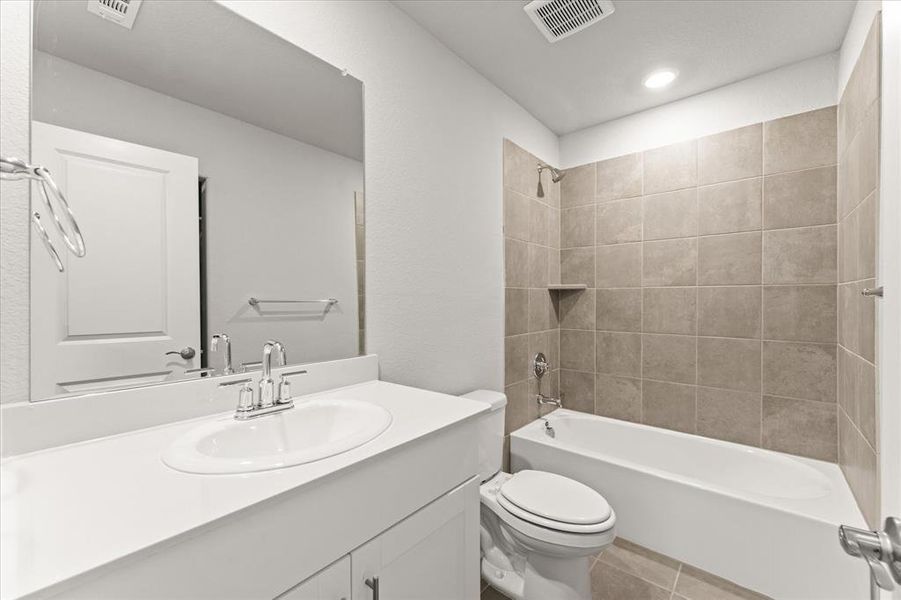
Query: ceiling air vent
[120, 12]
[558, 19]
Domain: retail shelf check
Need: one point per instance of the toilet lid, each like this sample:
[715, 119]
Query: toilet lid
[555, 498]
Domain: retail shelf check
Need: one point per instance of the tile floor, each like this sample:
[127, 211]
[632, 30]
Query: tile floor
[627, 571]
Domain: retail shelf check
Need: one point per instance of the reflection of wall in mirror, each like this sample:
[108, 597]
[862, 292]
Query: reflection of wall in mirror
[279, 220]
[360, 219]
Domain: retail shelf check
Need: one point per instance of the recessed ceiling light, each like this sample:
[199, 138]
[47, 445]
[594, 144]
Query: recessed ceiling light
[660, 79]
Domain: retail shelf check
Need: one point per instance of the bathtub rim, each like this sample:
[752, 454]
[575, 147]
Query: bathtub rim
[844, 508]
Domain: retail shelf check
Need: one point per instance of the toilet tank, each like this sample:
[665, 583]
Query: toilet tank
[491, 432]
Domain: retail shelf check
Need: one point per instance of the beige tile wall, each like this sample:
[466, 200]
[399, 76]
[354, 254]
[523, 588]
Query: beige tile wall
[711, 268]
[858, 209]
[531, 262]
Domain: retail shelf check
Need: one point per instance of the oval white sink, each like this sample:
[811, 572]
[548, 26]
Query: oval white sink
[312, 430]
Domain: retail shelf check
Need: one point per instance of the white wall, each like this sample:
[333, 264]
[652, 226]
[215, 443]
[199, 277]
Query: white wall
[15, 48]
[280, 216]
[858, 28]
[795, 88]
[434, 133]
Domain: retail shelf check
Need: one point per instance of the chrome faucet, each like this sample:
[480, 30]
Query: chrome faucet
[542, 400]
[227, 351]
[540, 367]
[266, 397]
[267, 401]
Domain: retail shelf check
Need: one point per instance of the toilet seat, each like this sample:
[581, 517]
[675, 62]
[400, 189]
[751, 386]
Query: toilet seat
[545, 531]
[549, 523]
[554, 501]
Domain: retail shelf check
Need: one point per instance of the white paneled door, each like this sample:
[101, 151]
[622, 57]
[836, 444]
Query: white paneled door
[112, 316]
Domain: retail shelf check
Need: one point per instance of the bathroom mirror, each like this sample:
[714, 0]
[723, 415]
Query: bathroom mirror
[214, 196]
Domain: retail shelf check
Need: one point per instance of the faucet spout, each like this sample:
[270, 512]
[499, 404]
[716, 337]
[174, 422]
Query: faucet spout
[267, 386]
[223, 338]
[282, 353]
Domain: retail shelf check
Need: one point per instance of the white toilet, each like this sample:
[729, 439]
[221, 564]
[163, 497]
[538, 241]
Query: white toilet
[540, 531]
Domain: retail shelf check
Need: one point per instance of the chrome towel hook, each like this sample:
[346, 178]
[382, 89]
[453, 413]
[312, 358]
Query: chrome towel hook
[15, 169]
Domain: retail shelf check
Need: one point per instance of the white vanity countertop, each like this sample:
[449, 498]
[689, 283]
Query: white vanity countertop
[71, 509]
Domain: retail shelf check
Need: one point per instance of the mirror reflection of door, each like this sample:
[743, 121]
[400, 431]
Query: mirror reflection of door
[114, 314]
[275, 140]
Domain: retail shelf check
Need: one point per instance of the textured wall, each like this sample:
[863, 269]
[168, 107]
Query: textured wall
[858, 214]
[434, 271]
[531, 263]
[15, 48]
[711, 267]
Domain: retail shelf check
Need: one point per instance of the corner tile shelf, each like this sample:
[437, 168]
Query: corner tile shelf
[567, 287]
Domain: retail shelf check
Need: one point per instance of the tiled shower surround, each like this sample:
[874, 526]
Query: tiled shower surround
[531, 262]
[724, 278]
[711, 274]
[858, 210]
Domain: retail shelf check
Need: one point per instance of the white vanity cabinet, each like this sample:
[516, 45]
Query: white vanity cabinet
[403, 508]
[430, 555]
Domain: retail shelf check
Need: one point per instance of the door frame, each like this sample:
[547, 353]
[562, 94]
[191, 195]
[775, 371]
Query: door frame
[889, 276]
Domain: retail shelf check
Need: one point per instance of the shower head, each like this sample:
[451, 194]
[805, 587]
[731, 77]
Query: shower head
[556, 176]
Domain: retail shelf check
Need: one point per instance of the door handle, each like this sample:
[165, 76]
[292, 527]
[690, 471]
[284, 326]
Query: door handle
[373, 584]
[881, 550]
[186, 353]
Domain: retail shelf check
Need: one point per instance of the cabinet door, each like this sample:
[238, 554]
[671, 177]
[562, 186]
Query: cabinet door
[431, 555]
[331, 583]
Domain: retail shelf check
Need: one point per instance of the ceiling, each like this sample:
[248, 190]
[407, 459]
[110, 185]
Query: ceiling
[203, 53]
[596, 75]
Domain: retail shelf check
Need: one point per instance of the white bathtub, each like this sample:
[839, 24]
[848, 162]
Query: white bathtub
[765, 520]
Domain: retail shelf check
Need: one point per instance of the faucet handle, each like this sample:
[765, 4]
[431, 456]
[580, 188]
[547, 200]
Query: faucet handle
[245, 394]
[235, 382]
[251, 366]
[284, 386]
[245, 398]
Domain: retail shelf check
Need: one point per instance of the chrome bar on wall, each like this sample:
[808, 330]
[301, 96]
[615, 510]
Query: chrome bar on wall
[15, 169]
[329, 302]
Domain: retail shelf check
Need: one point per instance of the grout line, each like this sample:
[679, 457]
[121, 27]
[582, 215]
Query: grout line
[676, 580]
[634, 576]
[641, 411]
[697, 283]
[762, 277]
[704, 386]
[714, 337]
[857, 430]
